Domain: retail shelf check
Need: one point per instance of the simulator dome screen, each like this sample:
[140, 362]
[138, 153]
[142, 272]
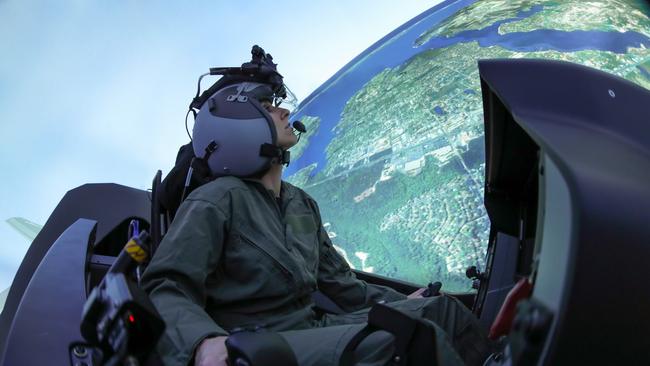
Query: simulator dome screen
[394, 151]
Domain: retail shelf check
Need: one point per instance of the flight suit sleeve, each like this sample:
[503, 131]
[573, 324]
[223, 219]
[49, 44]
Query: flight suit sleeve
[339, 283]
[175, 278]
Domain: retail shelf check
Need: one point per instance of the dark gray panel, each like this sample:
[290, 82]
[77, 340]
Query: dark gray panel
[502, 277]
[107, 203]
[50, 309]
[594, 127]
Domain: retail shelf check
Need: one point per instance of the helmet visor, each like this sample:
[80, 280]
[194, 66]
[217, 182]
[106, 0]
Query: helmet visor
[282, 97]
[288, 101]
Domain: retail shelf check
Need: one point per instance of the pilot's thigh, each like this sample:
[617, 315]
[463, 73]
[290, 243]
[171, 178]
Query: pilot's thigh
[458, 323]
[357, 317]
[442, 310]
[323, 346]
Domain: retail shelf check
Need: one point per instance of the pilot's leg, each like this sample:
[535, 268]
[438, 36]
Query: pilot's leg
[323, 346]
[460, 325]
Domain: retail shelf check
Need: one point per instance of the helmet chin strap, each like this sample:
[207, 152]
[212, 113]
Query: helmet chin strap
[286, 158]
[283, 156]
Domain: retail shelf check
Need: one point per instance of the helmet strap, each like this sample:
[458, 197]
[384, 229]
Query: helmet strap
[212, 147]
[272, 151]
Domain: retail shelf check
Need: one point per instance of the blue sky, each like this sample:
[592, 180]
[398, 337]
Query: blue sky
[96, 91]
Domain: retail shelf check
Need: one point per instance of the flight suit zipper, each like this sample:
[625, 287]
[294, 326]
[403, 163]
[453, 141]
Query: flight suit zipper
[280, 211]
[275, 204]
[296, 277]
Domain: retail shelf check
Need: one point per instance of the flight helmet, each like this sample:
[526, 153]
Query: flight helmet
[232, 132]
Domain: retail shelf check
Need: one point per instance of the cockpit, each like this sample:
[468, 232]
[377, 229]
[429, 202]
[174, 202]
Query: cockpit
[567, 172]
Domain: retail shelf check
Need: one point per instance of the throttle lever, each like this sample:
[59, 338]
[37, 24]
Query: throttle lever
[433, 289]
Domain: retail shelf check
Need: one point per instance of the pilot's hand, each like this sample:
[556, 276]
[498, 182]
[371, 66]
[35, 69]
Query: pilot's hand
[417, 293]
[211, 352]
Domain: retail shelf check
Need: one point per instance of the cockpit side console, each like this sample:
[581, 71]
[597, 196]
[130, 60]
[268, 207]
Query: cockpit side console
[567, 191]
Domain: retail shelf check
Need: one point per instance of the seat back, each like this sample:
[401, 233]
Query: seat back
[159, 215]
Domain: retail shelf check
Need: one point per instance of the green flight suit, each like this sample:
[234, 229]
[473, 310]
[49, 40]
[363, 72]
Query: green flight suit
[235, 257]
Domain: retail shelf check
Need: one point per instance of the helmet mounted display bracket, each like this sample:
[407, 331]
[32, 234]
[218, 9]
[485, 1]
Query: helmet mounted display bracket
[260, 69]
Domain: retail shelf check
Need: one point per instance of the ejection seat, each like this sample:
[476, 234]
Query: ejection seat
[160, 218]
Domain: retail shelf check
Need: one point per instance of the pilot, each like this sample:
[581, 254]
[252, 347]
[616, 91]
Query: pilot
[246, 251]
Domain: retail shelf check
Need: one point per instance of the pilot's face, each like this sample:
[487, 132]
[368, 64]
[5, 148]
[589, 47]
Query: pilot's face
[286, 138]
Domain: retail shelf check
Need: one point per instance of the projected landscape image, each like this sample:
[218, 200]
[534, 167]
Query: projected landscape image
[394, 152]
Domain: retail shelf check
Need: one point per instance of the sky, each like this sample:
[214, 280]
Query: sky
[97, 91]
